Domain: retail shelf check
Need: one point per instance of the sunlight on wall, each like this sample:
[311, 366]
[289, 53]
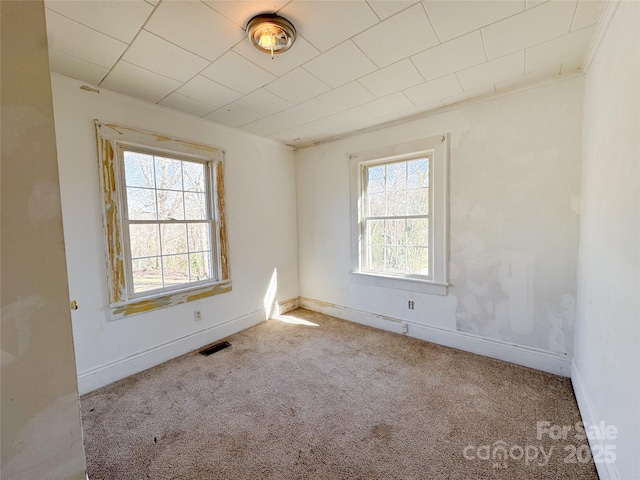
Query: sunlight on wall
[271, 307]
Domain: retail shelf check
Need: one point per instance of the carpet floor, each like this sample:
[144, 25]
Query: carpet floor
[310, 396]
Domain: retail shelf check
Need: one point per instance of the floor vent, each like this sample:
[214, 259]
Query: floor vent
[215, 348]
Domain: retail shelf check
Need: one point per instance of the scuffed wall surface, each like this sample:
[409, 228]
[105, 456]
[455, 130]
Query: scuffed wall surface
[514, 201]
[608, 309]
[41, 432]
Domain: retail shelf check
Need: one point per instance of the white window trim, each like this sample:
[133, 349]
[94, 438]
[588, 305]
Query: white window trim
[112, 139]
[438, 280]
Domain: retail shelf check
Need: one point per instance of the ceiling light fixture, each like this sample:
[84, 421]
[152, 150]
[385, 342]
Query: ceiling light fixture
[271, 33]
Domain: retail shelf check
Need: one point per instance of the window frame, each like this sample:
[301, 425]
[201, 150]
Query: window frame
[365, 213]
[113, 141]
[437, 281]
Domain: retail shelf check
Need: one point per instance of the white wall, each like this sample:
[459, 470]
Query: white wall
[607, 344]
[514, 187]
[261, 210]
[40, 415]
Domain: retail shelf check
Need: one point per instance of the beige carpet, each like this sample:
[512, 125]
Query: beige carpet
[332, 401]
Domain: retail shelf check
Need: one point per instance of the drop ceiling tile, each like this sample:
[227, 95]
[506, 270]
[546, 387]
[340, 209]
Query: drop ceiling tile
[160, 56]
[421, 110]
[394, 103]
[263, 103]
[187, 105]
[454, 18]
[347, 96]
[207, 91]
[195, 27]
[241, 11]
[587, 13]
[233, 115]
[547, 21]
[327, 23]
[392, 79]
[530, 79]
[297, 115]
[301, 52]
[138, 82]
[565, 49]
[235, 71]
[398, 37]
[340, 65]
[82, 42]
[451, 56]
[340, 122]
[434, 90]
[498, 70]
[76, 68]
[386, 8]
[481, 92]
[118, 19]
[297, 86]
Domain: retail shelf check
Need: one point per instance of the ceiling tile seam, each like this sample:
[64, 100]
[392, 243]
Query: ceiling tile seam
[544, 41]
[432, 24]
[90, 27]
[374, 11]
[181, 47]
[484, 46]
[296, 126]
[573, 18]
[77, 58]
[390, 65]
[424, 80]
[131, 43]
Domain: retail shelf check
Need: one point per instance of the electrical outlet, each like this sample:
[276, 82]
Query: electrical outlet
[405, 328]
[197, 315]
[411, 305]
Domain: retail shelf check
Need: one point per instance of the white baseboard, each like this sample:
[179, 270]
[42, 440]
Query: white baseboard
[105, 374]
[526, 356]
[589, 417]
[288, 305]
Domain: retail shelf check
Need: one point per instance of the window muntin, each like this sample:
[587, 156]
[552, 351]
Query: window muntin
[168, 221]
[396, 216]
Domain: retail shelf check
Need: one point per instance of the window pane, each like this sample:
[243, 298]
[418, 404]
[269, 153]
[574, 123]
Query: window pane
[144, 240]
[170, 205]
[395, 259]
[375, 232]
[418, 173]
[418, 260]
[199, 234]
[396, 176]
[418, 201]
[375, 257]
[397, 203]
[138, 168]
[174, 238]
[418, 232]
[377, 206]
[375, 179]
[195, 206]
[147, 274]
[194, 175]
[141, 204]
[394, 232]
[168, 173]
[200, 264]
[175, 270]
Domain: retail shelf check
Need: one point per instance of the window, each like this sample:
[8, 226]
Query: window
[399, 206]
[163, 218]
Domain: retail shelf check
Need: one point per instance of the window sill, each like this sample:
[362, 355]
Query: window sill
[400, 283]
[147, 304]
